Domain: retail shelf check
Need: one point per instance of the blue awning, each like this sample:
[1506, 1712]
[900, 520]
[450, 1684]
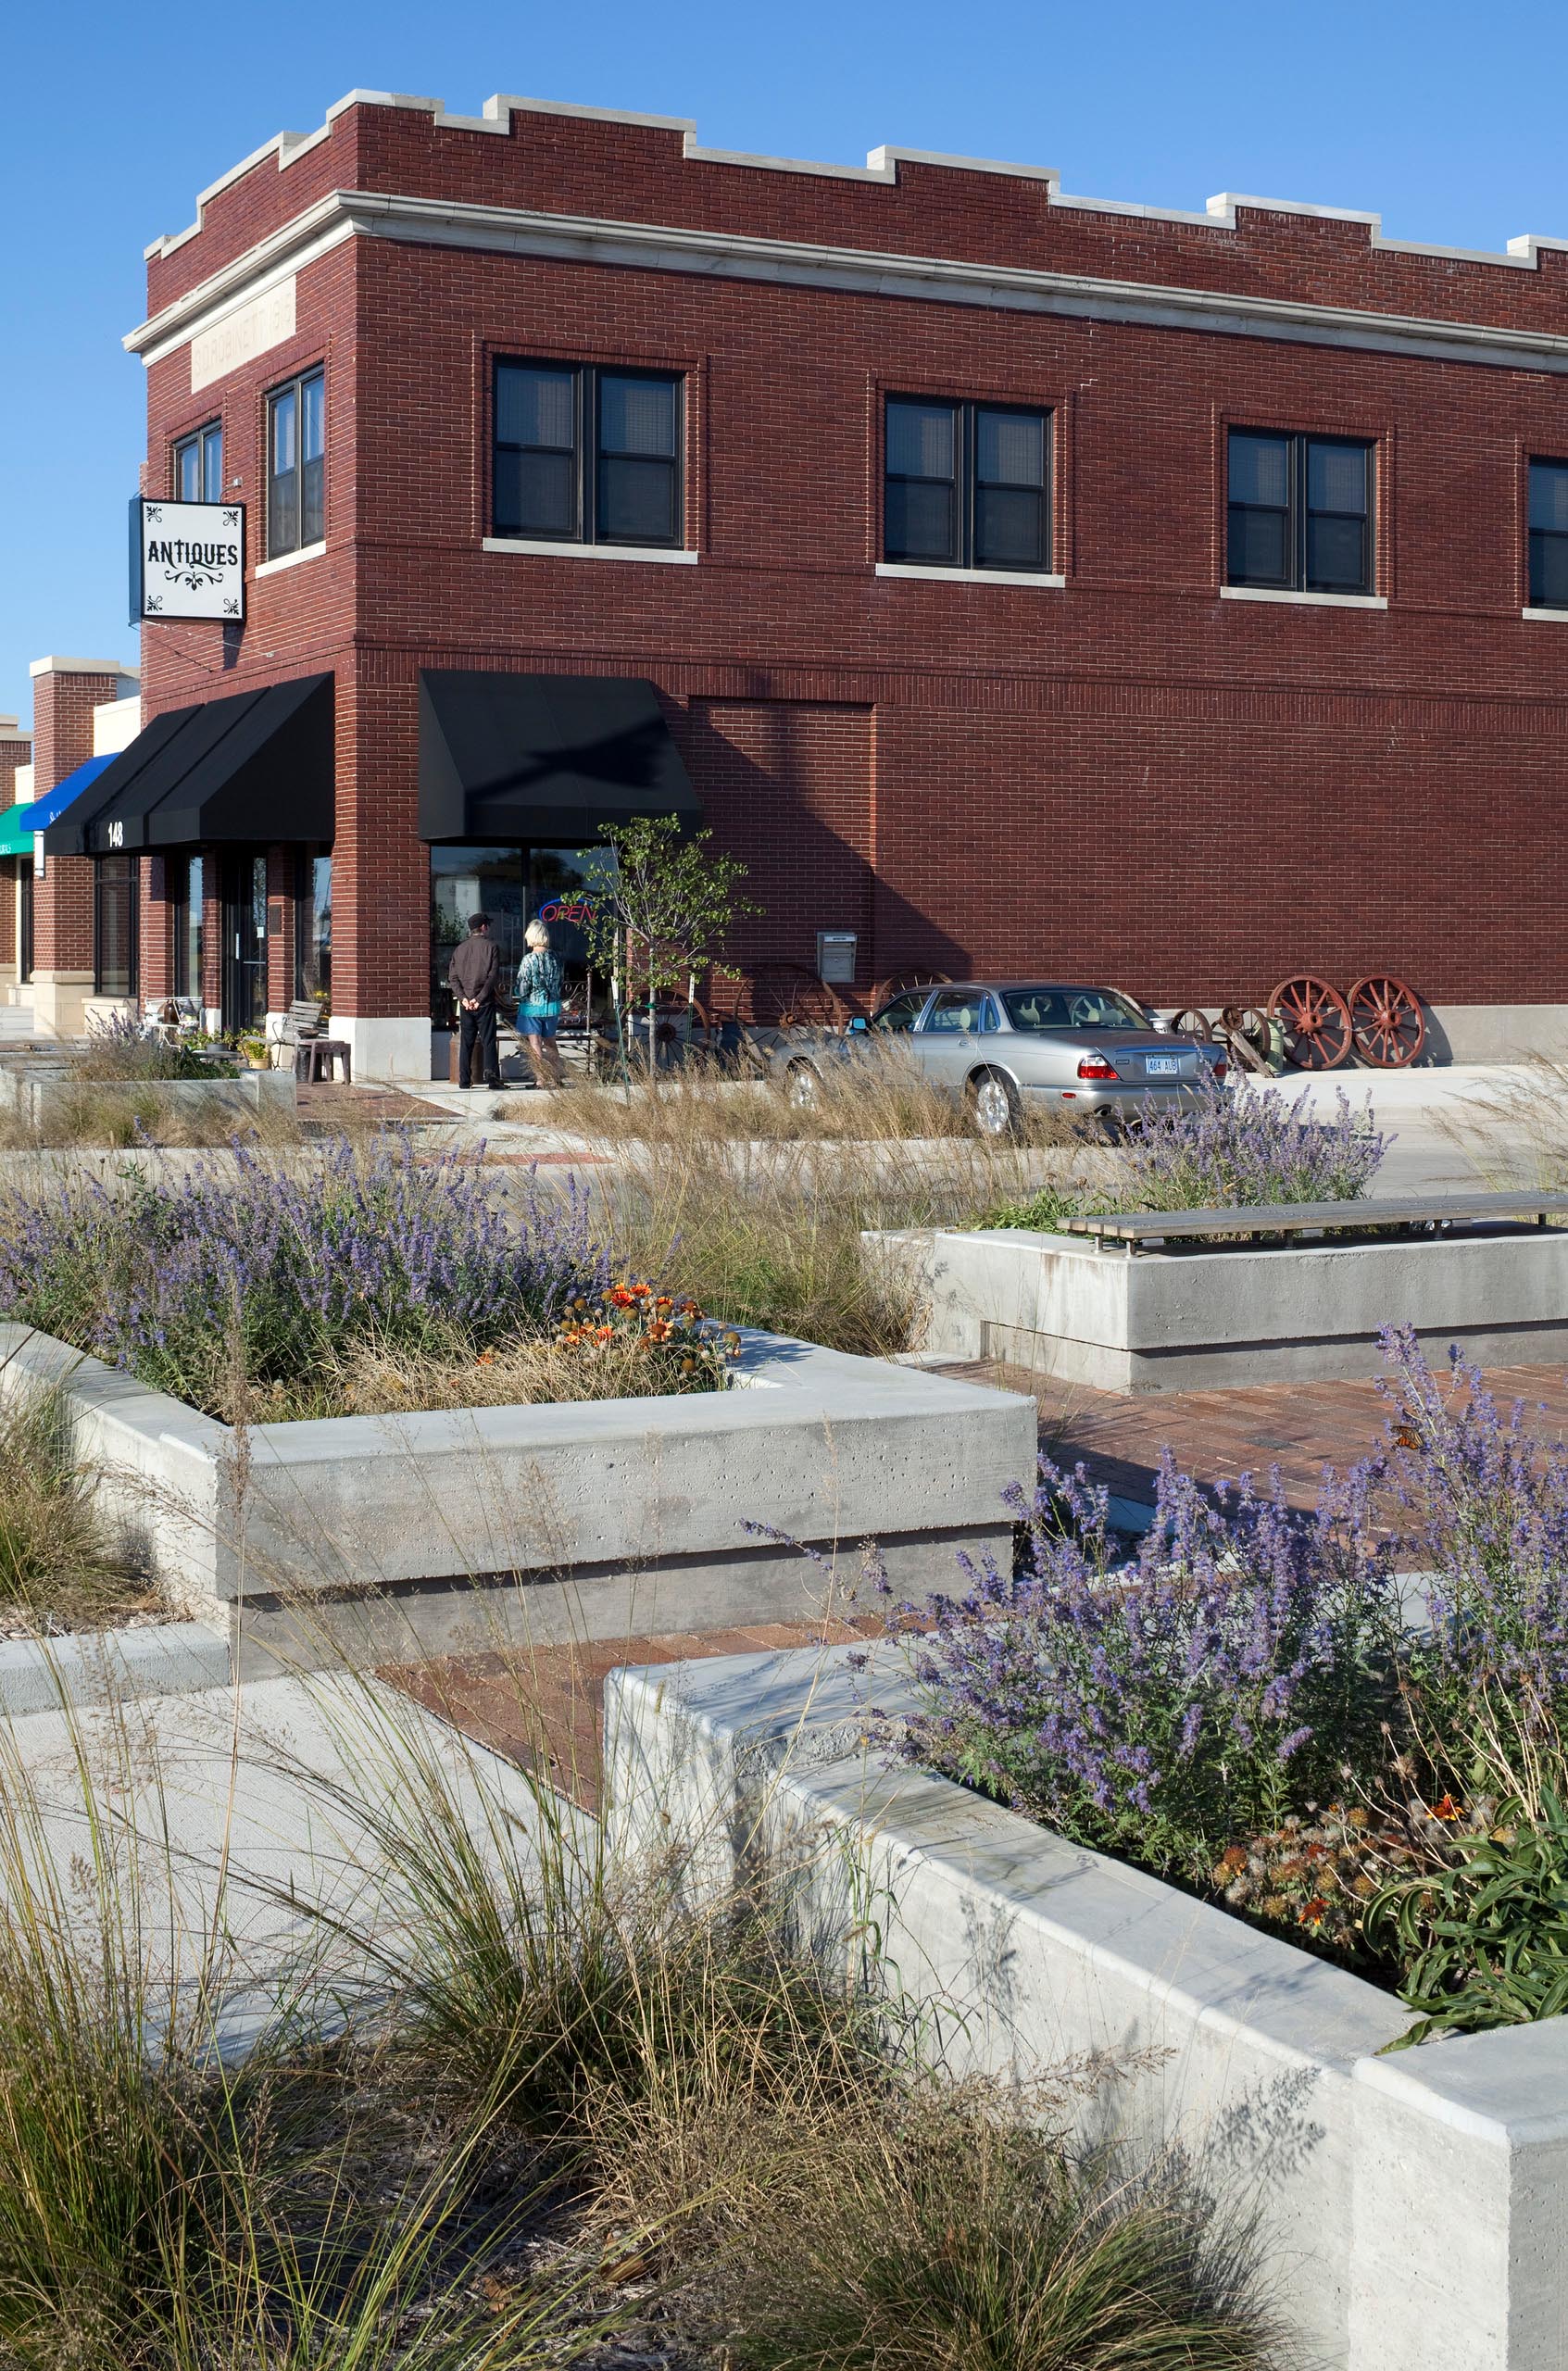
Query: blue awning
[17, 824]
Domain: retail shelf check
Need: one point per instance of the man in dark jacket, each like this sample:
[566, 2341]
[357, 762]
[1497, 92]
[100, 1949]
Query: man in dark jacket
[471, 975]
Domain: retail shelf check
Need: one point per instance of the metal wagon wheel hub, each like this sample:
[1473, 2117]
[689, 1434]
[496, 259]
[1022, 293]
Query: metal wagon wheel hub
[1387, 1022]
[1315, 1020]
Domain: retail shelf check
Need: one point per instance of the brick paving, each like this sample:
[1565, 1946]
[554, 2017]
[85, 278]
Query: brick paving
[327, 1100]
[543, 1706]
[1301, 1427]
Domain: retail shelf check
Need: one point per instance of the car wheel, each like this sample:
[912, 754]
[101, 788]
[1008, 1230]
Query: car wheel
[993, 1105]
[804, 1085]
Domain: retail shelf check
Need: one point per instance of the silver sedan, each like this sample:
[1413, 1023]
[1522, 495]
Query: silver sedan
[1007, 1047]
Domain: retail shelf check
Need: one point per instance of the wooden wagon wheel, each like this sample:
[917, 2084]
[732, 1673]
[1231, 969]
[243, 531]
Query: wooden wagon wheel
[1387, 1022]
[1315, 1020]
[895, 985]
[788, 995]
[1193, 1023]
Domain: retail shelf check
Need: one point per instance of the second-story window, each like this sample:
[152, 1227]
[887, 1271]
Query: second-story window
[1299, 513]
[296, 464]
[966, 485]
[1548, 535]
[198, 465]
[586, 454]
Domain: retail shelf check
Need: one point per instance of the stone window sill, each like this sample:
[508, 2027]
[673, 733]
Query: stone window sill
[969, 575]
[1547, 617]
[1304, 600]
[545, 550]
[290, 559]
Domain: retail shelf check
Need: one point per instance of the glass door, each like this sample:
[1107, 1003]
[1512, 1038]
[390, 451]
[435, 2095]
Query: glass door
[245, 941]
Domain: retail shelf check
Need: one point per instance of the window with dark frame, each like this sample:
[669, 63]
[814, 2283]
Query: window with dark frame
[296, 464]
[966, 484]
[1548, 535]
[1299, 512]
[313, 925]
[587, 454]
[186, 892]
[198, 465]
[115, 926]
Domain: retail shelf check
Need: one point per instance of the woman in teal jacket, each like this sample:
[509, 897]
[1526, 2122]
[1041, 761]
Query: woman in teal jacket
[540, 982]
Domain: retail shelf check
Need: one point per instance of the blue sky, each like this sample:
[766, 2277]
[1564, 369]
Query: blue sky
[1446, 121]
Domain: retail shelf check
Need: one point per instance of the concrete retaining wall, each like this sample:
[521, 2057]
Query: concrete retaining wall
[44, 1095]
[1414, 2210]
[1196, 1320]
[372, 1538]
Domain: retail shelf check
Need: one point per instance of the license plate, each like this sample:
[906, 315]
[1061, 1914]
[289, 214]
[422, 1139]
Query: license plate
[1163, 1065]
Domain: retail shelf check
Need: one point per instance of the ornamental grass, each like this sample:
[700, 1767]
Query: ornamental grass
[61, 1565]
[552, 2118]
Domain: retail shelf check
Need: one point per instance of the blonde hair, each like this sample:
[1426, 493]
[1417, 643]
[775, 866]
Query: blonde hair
[537, 936]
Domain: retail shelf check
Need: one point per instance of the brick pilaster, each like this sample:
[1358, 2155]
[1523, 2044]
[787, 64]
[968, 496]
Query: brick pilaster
[65, 693]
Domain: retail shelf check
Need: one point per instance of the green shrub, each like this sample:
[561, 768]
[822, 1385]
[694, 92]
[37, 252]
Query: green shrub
[1485, 1942]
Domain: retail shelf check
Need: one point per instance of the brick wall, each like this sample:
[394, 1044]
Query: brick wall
[63, 700]
[16, 750]
[1130, 776]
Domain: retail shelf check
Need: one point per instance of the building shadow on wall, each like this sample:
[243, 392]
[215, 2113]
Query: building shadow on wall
[789, 788]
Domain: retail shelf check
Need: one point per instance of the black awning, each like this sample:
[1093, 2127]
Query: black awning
[546, 757]
[257, 767]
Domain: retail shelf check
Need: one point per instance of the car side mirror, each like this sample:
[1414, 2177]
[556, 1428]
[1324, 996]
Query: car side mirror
[858, 1025]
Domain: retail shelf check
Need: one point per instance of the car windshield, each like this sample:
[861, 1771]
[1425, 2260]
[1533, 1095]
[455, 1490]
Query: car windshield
[1071, 1009]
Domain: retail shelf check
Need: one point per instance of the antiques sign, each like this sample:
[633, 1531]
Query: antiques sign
[187, 560]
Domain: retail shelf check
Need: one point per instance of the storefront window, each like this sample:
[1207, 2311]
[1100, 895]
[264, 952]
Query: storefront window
[562, 884]
[114, 927]
[466, 881]
[187, 892]
[313, 928]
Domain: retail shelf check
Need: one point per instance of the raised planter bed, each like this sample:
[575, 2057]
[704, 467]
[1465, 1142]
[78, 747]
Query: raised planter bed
[44, 1094]
[1188, 1320]
[371, 1538]
[1414, 2210]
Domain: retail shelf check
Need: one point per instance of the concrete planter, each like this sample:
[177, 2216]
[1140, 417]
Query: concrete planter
[1414, 2210]
[1171, 1320]
[374, 1537]
[44, 1095]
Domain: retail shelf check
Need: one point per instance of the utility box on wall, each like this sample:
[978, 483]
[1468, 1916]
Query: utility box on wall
[835, 955]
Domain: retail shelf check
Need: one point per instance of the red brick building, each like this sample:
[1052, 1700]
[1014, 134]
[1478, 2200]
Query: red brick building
[1026, 583]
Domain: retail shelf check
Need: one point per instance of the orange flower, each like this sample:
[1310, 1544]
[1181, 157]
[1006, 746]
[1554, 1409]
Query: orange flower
[1314, 1911]
[1447, 1808]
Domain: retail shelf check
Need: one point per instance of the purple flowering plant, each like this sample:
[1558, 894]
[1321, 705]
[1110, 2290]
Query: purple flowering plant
[1217, 1149]
[265, 1270]
[1160, 1704]
[1486, 1502]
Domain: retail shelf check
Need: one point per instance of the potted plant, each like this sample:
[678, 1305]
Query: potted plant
[255, 1051]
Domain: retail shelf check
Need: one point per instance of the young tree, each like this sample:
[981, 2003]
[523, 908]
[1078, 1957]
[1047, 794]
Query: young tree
[666, 916]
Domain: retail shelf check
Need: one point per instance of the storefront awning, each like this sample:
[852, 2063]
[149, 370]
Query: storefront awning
[509, 758]
[257, 768]
[17, 824]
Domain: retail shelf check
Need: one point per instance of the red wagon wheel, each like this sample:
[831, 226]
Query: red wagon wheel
[1316, 1023]
[1387, 1022]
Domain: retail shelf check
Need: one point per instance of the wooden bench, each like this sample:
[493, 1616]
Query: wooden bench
[1416, 1213]
[313, 1054]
